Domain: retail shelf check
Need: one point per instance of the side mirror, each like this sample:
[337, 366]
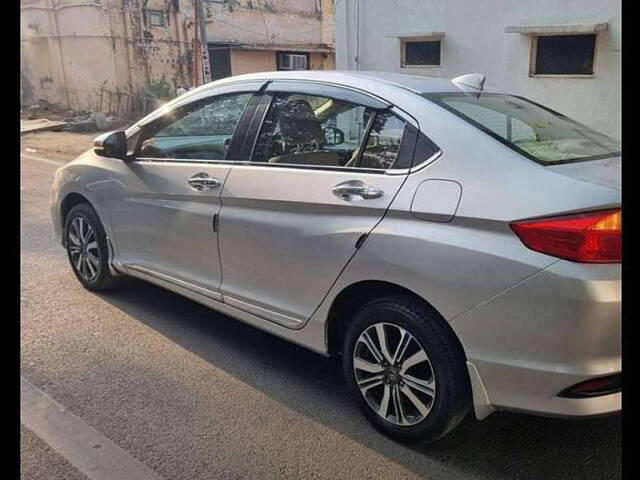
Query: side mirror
[111, 144]
[333, 136]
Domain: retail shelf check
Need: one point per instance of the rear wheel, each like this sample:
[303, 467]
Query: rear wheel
[406, 369]
[87, 248]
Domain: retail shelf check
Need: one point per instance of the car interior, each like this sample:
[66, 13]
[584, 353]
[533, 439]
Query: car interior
[296, 133]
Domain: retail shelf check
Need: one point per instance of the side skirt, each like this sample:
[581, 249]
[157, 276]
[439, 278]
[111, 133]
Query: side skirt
[300, 337]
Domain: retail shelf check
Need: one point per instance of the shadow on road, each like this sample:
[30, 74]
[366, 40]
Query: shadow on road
[505, 445]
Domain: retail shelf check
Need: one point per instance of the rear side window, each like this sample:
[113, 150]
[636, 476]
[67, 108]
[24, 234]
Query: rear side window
[383, 143]
[317, 131]
[538, 133]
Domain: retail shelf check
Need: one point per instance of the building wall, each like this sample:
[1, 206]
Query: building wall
[322, 61]
[265, 21]
[247, 61]
[284, 25]
[475, 41]
[74, 50]
[70, 51]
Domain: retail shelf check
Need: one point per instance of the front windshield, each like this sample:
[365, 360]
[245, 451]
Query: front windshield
[532, 130]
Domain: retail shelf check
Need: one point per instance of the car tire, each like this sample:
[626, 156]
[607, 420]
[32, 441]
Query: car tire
[443, 373]
[87, 249]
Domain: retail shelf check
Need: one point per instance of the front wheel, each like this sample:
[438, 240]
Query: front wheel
[87, 248]
[406, 369]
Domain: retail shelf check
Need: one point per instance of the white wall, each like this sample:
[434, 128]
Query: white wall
[475, 41]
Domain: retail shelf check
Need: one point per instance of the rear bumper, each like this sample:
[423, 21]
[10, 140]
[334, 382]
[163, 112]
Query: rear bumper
[534, 391]
[553, 330]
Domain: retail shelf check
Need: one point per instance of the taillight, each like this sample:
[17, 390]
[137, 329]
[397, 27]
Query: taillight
[593, 237]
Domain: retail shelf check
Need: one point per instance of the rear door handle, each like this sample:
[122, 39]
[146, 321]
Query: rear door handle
[202, 181]
[354, 189]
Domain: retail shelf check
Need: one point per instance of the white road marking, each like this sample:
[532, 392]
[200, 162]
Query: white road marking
[43, 160]
[85, 448]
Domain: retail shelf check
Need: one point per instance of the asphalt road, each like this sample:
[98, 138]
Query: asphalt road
[193, 394]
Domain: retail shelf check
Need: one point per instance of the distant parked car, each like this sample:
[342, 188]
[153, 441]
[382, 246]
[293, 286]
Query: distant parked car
[459, 248]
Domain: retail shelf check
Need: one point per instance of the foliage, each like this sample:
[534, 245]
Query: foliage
[159, 89]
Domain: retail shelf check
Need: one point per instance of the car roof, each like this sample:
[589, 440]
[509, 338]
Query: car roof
[358, 79]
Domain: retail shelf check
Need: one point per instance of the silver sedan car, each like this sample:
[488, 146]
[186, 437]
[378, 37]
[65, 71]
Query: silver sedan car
[459, 249]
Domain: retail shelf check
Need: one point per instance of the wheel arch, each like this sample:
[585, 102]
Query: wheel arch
[354, 296]
[70, 200]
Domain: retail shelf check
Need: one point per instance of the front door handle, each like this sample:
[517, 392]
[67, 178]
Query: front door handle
[354, 189]
[202, 181]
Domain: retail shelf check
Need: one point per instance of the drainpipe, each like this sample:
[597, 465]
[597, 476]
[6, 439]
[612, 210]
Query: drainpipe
[179, 40]
[196, 77]
[113, 39]
[127, 45]
[204, 56]
[142, 43]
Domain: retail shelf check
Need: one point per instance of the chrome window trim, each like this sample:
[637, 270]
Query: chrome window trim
[329, 168]
[416, 168]
[178, 160]
[247, 163]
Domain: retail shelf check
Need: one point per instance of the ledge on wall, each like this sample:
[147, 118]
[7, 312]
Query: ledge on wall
[557, 29]
[416, 35]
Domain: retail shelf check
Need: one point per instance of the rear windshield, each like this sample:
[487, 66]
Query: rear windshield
[536, 132]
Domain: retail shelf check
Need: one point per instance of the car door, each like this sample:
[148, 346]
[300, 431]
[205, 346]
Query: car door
[321, 176]
[167, 195]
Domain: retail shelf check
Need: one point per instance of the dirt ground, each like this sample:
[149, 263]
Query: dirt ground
[62, 146]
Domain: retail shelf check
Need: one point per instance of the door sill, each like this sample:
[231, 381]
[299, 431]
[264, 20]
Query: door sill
[176, 281]
[178, 286]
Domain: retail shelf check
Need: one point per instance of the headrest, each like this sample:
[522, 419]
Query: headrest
[298, 123]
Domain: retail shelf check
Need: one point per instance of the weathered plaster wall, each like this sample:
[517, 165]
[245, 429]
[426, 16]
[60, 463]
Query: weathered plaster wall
[72, 50]
[328, 22]
[322, 61]
[265, 22]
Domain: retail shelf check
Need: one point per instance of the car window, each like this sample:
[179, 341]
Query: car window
[319, 131]
[532, 130]
[383, 142]
[201, 130]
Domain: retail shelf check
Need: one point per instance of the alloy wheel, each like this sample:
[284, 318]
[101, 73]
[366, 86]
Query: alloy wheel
[83, 248]
[394, 374]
